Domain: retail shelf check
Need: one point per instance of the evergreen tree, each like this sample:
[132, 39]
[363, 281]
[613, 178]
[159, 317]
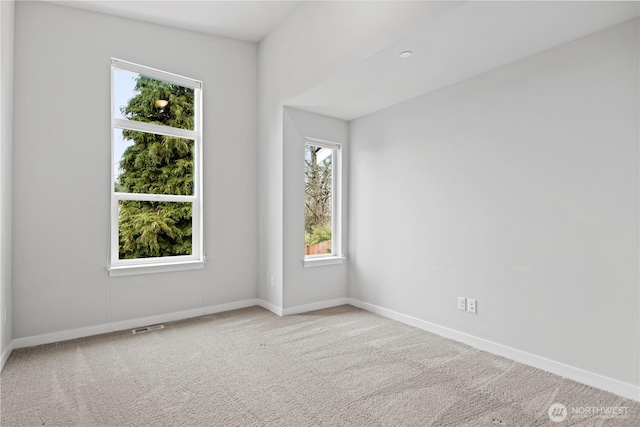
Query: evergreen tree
[157, 164]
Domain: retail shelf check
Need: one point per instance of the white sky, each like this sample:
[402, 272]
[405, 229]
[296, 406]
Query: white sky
[123, 84]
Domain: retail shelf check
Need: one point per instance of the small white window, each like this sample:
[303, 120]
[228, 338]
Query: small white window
[156, 172]
[322, 202]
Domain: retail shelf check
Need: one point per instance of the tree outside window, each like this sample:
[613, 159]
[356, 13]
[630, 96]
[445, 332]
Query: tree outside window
[156, 204]
[318, 213]
[156, 164]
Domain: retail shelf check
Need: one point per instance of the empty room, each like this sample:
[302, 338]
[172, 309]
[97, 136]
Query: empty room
[300, 213]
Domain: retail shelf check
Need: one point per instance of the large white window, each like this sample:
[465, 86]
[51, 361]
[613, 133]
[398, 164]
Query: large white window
[156, 171]
[322, 202]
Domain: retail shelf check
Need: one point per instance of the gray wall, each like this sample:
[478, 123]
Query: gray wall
[312, 284]
[318, 41]
[7, 14]
[519, 188]
[61, 169]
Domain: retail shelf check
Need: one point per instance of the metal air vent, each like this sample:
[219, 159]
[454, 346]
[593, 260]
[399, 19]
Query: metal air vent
[148, 328]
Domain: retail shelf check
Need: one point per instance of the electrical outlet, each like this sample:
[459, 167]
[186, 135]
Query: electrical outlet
[462, 303]
[471, 305]
[273, 281]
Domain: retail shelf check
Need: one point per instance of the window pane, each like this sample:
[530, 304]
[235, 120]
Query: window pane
[144, 99]
[152, 164]
[318, 200]
[124, 84]
[119, 146]
[154, 229]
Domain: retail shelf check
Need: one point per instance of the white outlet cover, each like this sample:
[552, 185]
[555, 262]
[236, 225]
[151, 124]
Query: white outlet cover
[462, 303]
[471, 305]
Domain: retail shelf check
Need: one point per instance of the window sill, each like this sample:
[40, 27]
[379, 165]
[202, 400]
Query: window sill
[317, 262]
[130, 270]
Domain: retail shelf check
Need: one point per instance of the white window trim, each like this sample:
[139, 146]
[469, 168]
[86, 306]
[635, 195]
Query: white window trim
[156, 74]
[116, 266]
[128, 270]
[322, 261]
[336, 256]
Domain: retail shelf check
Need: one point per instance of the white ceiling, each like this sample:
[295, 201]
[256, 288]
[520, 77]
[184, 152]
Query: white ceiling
[242, 20]
[470, 39]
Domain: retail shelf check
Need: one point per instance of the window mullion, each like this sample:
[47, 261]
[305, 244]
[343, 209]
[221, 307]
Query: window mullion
[145, 197]
[154, 128]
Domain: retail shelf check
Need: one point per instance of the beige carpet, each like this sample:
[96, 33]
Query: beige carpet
[341, 366]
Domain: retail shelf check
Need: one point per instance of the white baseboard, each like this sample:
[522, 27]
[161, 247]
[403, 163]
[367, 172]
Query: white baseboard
[62, 336]
[271, 307]
[160, 318]
[611, 385]
[620, 388]
[128, 324]
[181, 315]
[221, 308]
[314, 306]
[5, 355]
[123, 325]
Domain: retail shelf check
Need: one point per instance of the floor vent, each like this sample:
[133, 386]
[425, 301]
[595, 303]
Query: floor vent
[148, 328]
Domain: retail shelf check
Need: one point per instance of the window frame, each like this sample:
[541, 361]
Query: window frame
[336, 256]
[117, 266]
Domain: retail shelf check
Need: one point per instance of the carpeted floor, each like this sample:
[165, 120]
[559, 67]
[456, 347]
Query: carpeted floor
[340, 366]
